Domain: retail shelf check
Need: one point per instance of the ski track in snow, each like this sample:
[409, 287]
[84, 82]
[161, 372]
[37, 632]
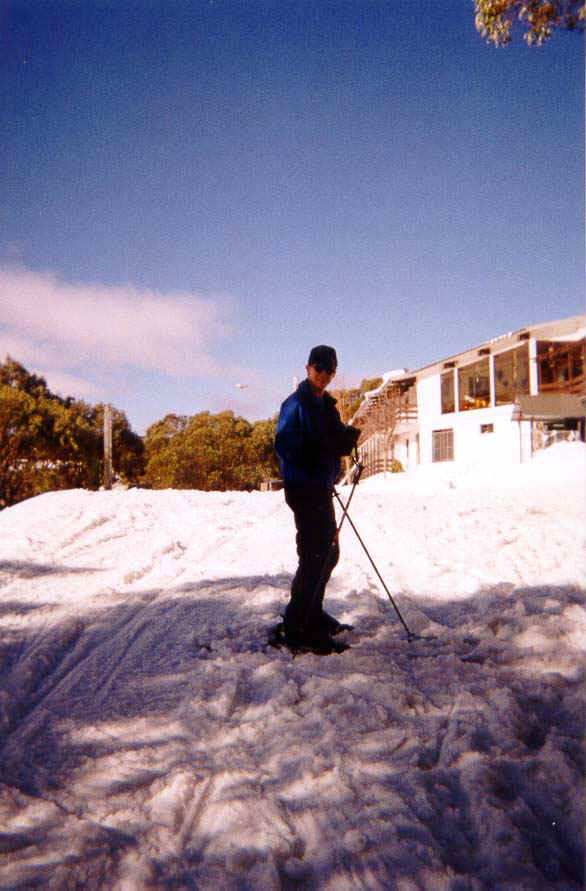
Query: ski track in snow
[149, 737]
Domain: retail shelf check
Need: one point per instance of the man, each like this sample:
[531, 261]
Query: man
[310, 441]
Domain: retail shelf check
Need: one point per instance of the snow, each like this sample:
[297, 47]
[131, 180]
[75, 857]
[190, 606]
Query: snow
[151, 739]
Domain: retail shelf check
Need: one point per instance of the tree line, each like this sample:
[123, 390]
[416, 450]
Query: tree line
[209, 452]
[48, 442]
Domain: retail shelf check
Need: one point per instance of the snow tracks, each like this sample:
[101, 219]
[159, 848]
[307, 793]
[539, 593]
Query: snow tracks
[150, 738]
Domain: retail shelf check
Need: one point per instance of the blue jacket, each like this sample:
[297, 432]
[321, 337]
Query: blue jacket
[309, 441]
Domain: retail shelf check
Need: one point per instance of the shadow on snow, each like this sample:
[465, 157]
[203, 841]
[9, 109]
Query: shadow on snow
[119, 701]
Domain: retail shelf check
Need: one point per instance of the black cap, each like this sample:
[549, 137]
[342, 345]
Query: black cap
[325, 356]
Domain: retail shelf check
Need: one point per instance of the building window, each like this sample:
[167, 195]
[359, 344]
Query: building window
[448, 394]
[487, 428]
[511, 375]
[474, 385]
[442, 445]
[560, 366]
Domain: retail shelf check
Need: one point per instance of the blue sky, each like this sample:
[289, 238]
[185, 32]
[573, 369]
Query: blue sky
[195, 193]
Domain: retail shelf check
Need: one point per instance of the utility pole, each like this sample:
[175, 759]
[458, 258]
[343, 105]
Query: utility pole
[107, 446]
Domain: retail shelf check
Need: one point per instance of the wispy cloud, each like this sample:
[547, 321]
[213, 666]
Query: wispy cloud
[68, 329]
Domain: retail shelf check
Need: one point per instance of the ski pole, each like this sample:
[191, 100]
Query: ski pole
[410, 636]
[359, 470]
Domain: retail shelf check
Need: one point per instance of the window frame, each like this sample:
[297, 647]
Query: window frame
[474, 373]
[442, 445]
[505, 390]
[448, 392]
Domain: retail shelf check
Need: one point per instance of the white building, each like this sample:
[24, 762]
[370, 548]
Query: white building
[497, 402]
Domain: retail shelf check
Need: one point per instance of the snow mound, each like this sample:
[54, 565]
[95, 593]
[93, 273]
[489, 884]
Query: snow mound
[152, 739]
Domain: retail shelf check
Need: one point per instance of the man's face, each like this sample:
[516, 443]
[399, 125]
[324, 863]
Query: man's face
[319, 377]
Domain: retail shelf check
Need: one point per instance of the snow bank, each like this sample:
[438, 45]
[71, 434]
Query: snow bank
[151, 739]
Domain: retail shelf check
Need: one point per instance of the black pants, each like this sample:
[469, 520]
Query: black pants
[318, 552]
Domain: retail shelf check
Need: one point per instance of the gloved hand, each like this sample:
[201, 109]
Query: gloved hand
[352, 435]
[343, 440]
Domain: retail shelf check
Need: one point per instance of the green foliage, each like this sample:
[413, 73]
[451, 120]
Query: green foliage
[49, 443]
[396, 466]
[540, 18]
[349, 400]
[370, 383]
[209, 452]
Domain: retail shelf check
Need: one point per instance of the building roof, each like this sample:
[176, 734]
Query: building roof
[570, 329]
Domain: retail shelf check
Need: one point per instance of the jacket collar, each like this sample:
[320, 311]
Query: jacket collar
[305, 392]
